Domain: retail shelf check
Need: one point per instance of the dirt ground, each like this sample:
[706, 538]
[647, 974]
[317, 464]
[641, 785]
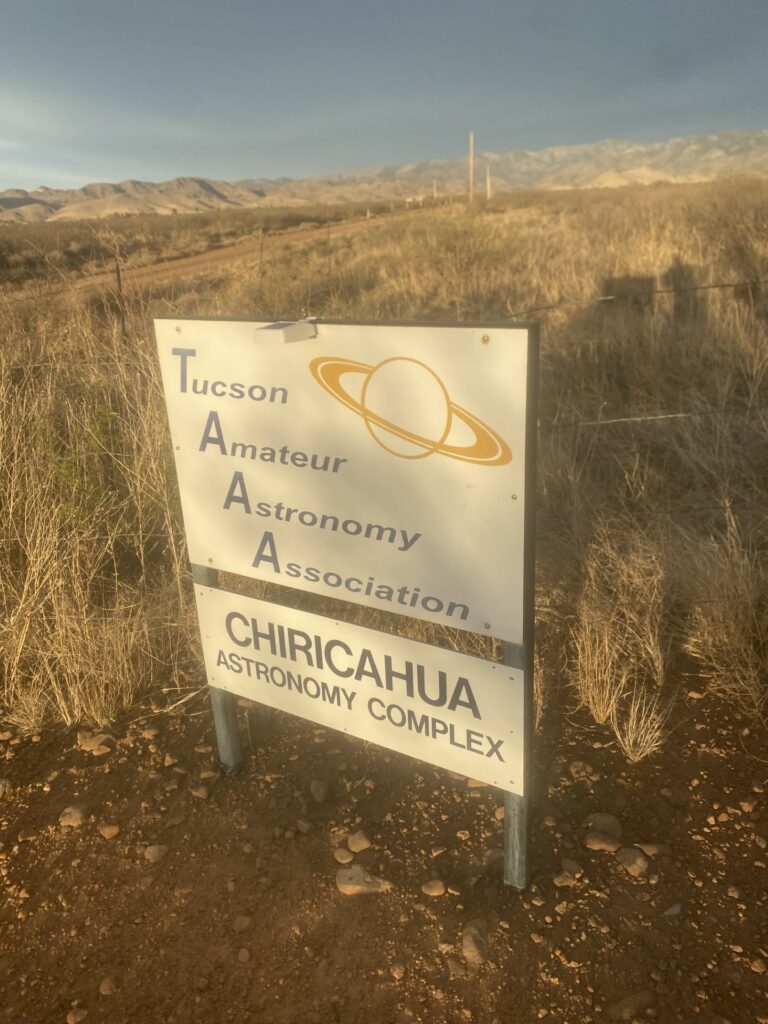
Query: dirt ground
[240, 917]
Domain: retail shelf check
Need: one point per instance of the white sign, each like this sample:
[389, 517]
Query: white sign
[449, 709]
[383, 465]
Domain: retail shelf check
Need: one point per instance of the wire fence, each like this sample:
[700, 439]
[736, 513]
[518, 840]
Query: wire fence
[625, 296]
[656, 417]
[640, 295]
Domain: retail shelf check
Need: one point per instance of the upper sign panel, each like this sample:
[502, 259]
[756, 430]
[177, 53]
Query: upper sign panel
[383, 465]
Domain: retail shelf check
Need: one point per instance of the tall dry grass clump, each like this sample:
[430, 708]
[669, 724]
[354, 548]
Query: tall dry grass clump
[621, 637]
[90, 552]
[728, 627]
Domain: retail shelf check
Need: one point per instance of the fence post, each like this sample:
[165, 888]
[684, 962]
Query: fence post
[223, 704]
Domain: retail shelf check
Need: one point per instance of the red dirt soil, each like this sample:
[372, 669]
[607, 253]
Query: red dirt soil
[241, 918]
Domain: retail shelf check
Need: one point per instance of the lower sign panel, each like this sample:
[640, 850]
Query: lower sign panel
[451, 710]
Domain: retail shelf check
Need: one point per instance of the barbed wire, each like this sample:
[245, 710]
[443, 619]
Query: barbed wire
[711, 506]
[734, 410]
[655, 417]
[120, 535]
[635, 296]
[82, 284]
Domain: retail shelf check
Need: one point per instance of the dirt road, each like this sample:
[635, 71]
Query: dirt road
[142, 277]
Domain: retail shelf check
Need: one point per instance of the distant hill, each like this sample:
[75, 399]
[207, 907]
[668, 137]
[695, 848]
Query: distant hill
[607, 164]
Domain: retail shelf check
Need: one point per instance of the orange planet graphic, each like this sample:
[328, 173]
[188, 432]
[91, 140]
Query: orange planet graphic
[430, 423]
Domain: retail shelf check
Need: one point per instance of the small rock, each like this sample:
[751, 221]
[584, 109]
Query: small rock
[76, 1014]
[474, 942]
[759, 965]
[355, 881]
[27, 836]
[632, 1006]
[243, 955]
[201, 792]
[343, 855]
[155, 853]
[582, 772]
[397, 971]
[747, 806]
[434, 887]
[150, 733]
[456, 967]
[358, 842]
[72, 817]
[570, 874]
[564, 879]
[606, 824]
[305, 827]
[476, 784]
[654, 849]
[242, 923]
[674, 911]
[5, 789]
[499, 813]
[109, 831]
[601, 841]
[88, 742]
[632, 860]
[695, 695]
[319, 790]
[108, 985]
[169, 760]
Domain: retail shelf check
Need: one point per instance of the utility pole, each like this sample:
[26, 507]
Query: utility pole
[487, 181]
[471, 166]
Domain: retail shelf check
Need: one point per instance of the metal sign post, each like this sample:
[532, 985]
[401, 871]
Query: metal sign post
[390, 465]
[516, 824]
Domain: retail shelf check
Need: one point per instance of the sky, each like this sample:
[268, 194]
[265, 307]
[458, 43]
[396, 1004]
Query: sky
[100, 90]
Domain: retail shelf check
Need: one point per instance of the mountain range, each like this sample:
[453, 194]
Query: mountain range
[611, 163]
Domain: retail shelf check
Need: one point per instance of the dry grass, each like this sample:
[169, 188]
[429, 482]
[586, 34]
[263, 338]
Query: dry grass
[622, 637]
[728, 633]
[637, 560]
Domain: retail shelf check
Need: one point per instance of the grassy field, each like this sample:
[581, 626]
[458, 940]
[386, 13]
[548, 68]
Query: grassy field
[59, 251]
[652, 541]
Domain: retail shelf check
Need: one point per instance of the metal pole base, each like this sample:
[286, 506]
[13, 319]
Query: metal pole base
[515, 841]
[224, 708]
[223, 704]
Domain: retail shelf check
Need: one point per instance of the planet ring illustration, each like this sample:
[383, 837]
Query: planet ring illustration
[487, 447]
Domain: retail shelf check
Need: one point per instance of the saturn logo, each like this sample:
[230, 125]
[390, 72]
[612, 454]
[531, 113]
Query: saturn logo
[408, 411]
